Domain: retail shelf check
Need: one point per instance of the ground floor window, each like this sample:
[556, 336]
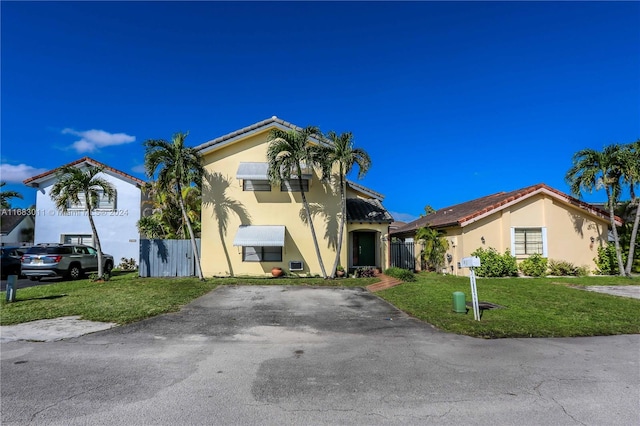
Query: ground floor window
[85, 239]
[528, 241]
[262, 254]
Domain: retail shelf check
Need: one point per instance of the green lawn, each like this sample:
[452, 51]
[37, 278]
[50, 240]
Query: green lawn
[533, 307]
[538, 307]
[127, 298]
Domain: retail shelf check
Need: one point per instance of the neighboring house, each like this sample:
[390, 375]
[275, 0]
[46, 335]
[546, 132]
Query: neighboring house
[17, 227]
[115, 220]
[535, 219]
[250, 225]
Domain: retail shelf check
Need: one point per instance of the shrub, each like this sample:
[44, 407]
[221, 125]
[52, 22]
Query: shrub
[534, 266]
[564, 268]
[127, 264]
[606, 262]
[365, 273]
[401, 274]
[494, 264]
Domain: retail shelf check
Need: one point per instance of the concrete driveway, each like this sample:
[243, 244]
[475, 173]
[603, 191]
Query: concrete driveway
[296, 355]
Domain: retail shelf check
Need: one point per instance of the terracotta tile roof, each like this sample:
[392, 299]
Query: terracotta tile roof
[10, 218]
[371, 210]
[467, 212]
[33, 180]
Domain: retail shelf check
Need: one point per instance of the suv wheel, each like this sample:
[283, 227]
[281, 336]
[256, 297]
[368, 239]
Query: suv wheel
[75, 272]
[107, 269]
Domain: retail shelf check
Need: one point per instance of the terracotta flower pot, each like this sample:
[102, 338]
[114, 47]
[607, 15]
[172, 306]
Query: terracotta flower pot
[276, 271]
[339, 274]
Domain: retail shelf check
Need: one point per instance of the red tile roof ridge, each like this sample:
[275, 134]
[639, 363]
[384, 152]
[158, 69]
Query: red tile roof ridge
[80, 161]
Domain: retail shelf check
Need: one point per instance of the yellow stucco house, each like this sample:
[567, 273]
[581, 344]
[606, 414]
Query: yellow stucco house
[535, 219]
[250, 226]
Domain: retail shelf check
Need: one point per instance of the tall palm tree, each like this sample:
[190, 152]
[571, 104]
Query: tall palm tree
[165, 220]
[339, 151]
[630, 155]
[287, 153]
[5, 195]
[74, 183]
[178, 166]
[599, 169]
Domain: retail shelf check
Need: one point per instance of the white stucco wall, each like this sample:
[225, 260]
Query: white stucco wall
[15, 237]
[117, 229]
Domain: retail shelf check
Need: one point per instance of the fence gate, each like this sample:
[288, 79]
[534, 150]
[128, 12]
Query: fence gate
[403, 255]
[167, 258]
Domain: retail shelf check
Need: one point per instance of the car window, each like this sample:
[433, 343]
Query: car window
[91, 250]
[49, 250]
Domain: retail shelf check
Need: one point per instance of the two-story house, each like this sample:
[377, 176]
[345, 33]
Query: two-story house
[250, 225]
[115, 219]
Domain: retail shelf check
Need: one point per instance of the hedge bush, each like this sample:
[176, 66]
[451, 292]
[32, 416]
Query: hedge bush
[401, 274]
[534, 266]
[564, 268]
[494, 264]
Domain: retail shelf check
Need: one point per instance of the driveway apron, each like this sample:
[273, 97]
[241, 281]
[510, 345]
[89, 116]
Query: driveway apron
[278, 355]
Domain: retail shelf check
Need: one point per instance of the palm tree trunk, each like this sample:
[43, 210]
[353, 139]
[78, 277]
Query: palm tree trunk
[343, 214]
[194, 247]
[634, 236]
[616, 239]
[310, 220]
[96, 241]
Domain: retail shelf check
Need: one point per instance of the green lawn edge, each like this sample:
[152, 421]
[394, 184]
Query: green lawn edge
[537, 307]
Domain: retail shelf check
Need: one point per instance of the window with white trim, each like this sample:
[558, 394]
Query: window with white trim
[528, 241]
[256, 185]
[103, 202]
[293, 185]
[261, 254]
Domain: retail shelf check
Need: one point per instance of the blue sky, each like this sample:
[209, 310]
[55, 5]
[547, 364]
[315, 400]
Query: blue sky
[452, 100]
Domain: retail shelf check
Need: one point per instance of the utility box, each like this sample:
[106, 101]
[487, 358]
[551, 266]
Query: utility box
[459, 302]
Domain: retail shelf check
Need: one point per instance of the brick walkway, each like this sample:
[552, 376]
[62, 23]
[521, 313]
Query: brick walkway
[385, 283]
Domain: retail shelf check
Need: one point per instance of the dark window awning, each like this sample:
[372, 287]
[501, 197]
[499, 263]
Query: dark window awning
[253, 171]
[260, 236]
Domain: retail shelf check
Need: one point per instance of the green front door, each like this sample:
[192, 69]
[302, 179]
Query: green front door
[364, 249]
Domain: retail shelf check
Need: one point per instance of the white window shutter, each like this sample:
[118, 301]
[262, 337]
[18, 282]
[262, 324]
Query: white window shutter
[545, 252]
[513, 241]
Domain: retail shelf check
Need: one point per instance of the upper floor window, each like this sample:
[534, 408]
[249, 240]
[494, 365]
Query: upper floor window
[256, 185]
[103, 202]
[293, 185]
[528, 241]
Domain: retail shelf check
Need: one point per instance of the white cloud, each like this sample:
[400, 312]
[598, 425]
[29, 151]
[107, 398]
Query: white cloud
[403, 217]
[16, 174]
[92, 140]
[139, 168]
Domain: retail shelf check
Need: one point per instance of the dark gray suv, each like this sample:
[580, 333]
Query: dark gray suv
[62, 260]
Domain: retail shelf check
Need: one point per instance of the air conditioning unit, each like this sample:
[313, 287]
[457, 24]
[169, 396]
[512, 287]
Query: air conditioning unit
[296, 265]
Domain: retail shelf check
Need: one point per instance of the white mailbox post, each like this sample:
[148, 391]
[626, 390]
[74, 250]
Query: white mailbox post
[471, 263]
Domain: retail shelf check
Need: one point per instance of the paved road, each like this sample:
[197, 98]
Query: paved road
[295, 355]
[25, 282]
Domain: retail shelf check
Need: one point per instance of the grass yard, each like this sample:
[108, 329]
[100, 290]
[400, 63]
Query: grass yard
[534, 307]
[127, 298]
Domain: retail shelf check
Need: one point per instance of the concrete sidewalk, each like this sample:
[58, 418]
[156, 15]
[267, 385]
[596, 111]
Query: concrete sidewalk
[50, 330]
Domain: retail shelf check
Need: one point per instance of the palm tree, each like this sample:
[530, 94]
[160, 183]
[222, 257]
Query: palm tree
[74, 183]
[178, 167]
[165, 220]
[435, 247]
[630, 155]
[5, 195]
[338, 150]
[288, 151]
[599, 169]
